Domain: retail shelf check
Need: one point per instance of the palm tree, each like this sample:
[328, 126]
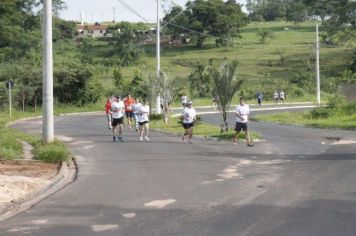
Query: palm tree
[225, 85]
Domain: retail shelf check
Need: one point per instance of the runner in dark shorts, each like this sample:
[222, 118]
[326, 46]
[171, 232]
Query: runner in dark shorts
[241, 126]
[118, 121]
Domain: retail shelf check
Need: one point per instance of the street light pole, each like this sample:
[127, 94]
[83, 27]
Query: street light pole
[48, 126]
[158, 57]
[317, 66]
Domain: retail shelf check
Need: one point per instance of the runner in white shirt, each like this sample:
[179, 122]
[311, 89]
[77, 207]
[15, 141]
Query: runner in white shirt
[275, 97]
[242, 112]
[117, 109]
[136, 108]
[184, 100]
[189, 117]
[282, 96]
[143, 119]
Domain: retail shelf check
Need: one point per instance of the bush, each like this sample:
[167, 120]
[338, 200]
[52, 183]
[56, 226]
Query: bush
[319, 113]
[156, 116]
[54, 152]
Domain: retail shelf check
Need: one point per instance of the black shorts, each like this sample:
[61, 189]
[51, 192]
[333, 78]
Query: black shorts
[117, 121]
[188, 125]
[240, 126]
[259, 100]
[282, 99]
[142, 123]
[129, 114]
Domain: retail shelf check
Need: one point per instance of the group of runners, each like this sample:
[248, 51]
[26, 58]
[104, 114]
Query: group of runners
[278, 96]
[137, 112]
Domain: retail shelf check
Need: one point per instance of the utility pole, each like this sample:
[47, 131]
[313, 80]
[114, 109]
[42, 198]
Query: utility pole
[317, 66]
[48, 127]
[158, 57]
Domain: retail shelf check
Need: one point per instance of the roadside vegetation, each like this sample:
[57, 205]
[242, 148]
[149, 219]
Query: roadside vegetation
[201, 129]
[11, 147]
[335, 114]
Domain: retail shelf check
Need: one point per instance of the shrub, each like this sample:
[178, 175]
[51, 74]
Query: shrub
[54, 152]
[156, 116]
[319, 113]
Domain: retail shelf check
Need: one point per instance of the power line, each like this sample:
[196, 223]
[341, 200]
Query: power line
[194, 31]
[129, 8]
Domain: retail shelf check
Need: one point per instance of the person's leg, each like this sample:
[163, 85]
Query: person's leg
[141, 131]
[248, 138]
[185, 132]
[146, 132]
[121, 127]
[236, 137]
[136, 121]
[108, 117]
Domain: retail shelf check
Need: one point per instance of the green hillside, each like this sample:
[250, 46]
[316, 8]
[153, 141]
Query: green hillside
[265, 66]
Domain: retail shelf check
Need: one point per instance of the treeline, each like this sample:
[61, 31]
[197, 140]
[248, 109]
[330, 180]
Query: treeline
[336, 15]
[21, 57]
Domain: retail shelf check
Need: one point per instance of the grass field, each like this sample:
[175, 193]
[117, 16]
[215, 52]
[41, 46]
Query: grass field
[341, 118]
[263, 66]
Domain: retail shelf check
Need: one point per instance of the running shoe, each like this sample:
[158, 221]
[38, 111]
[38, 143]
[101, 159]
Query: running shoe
[120, 139]
[250, 145]
[141, 139]
[147, 139]
[114, 139]
[234, 143]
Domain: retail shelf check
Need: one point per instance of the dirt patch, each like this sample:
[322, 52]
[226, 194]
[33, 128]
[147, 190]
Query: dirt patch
[19, 178]
[32, 169]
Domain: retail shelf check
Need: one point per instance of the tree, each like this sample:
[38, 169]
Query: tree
[125, 39]
[264, 35]
[200, 81]
[225, 85]
[204, 18]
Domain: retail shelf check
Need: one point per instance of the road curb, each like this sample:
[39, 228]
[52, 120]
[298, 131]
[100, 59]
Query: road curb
[65, 176]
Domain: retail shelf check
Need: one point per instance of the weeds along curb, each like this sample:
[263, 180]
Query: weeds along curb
[202, 137]
[65, 176]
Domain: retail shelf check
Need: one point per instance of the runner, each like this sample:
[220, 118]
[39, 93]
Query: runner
[108, 112]
[117, 108]
[259, 98]
[136, 108]
[282, 96]
[143, 120]
[184, 100]
[189, 117]
[275, 97]
[129, 102]
[242, 112]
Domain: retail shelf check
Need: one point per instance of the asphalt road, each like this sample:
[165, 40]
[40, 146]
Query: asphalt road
[301, 181]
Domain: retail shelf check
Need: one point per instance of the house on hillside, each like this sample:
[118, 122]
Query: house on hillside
[91, 31]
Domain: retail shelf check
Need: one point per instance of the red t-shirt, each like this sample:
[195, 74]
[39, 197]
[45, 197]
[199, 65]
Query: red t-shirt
[129, 102]
[108, 107]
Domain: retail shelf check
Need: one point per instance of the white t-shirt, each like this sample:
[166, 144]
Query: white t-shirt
[243, 111]
[275, 95]
[144, 113]
[136, 107]
[188, 115]
[120, 107]
[281, 94]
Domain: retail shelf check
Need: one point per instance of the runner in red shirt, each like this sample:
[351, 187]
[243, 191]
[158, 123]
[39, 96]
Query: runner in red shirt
[129, 103]
[108, 112]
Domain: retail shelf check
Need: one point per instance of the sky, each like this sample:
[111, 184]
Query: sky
[102, 10]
